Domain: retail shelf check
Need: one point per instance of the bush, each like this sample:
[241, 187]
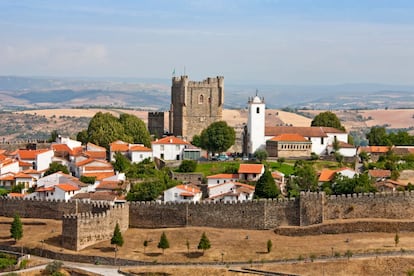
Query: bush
[187, 166]
[53, 268]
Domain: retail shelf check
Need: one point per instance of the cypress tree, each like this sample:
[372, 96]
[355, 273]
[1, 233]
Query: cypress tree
[266, 186]
[163, 244]
[16, 229]
[204, 243]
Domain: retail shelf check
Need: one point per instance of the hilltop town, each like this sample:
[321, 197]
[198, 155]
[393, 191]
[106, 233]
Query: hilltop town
[187, 168]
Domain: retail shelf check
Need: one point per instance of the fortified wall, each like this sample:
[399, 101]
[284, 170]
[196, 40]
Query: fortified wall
[84, 224]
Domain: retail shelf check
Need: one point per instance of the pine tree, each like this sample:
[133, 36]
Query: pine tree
[163, 244]
[204, 243]
[269, 246]
[16, 229]
[266, 186]
[117, 238]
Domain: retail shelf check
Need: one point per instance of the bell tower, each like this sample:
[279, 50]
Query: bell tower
[255, 124]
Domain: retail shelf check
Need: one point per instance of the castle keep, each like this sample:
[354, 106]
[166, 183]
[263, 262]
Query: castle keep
[195, 105]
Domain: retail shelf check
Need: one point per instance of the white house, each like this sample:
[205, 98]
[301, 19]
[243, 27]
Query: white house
[250, 172]
[183, 193]
[222, 178]
[40, 159]
[138, 153]
[230, 191]
[8, 165]
[169, 148]
[90, 166]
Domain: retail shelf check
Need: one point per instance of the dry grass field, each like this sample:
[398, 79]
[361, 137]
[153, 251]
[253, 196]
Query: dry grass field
[228, 245]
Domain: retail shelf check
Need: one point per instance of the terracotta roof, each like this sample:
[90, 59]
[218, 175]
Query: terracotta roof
[290, 137]
[22, 175]
[189, 189]
[139, 148]
[99, 175]
[119, 146]
[92, 147]
[30, 154]
[45, 189]
[7, 161]
[224, 176]
[25, 164]
[327, 175]
[96, 154]
[16, 195]
[99, 168]
[343, 145]
[277, 175]
[76, 151]
[375, 149]
[7, 177]
[67, 187]
[332, 130]
[170, 140]
[61, 147]
[2, 156]
[110, 185]
[303, 131]
[84, 162]
[251, 168]
[31, 171]
[379, 173]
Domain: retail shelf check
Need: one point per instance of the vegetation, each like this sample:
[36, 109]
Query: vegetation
[104, 128]
[204, 243]
[261, 155]
[7, 260]
[266, 186]
[163, 244]
[187, 166]
[56, 167]
[377, 136]
[269, 245]
[327, 119]
[16, 229]
[304, 179]
[54, 268]
[218, 137]
[117, 239]
[87, 179]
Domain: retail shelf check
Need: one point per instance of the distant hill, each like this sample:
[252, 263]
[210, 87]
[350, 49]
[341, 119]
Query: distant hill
[30, 92]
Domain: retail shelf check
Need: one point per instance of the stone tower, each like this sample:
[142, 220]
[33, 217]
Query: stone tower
[195, 105]
[255, 124]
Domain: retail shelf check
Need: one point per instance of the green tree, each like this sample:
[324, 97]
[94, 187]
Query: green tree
[53, 135]
[266, 186]
[196, 141]
[117, 238]
[82, 136]
[377, 136]
[145, 245]
[261, 154]
[135, 128]
[163, 244]
[396, 239]
[56, 167]
[121, 163]
[218, 137]
[187, 166]
[17, 188]
[269, 246]
[327, 119]
[305, 176]
[87, 179]
[204, 243]
[16, 229]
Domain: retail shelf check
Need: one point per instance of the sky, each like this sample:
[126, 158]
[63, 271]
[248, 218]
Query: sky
[296, 42]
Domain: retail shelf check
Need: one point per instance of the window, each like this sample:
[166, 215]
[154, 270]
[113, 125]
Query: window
[162, 156]
[161, 147]
[175, 194]
[201, 99]
[177, 147]
[257, 110]
[321, 140]
[141, 156]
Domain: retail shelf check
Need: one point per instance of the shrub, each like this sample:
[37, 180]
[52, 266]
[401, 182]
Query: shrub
[187, 166]
[53, 267]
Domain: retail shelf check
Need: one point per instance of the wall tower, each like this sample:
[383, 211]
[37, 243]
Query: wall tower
[255, 124]
[195, 105]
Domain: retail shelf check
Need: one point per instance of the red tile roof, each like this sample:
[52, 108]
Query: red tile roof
[375, 149]
[96, 154]
[22, 175]
[290, 137]
[119, 146]
[170, 140]
[379, 173]
[251, 168]
[327, 175]
[45, 189]
[67, 187]
[25, 164]
[139, 148]
[30, 154]
[61, 147]
[110, 185]
[303, 131]
[224, 176]
[16, 195]
[101, 195]
[99, 175]
[188, 190]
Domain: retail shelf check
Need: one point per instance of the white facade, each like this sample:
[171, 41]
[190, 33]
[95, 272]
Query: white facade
[213, 180]
[182, 193]
[230, 191]
[69, 142]
[138, 156]
[9, 165]
[169, 148]
[44, 159]
[256, 124]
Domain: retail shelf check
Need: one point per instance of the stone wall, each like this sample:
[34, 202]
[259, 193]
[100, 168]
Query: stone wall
[311, 208]
[85, 229]
[194, 178]
[156, 124]
[398, 205]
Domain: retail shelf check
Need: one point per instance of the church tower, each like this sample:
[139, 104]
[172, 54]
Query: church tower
[255, 124]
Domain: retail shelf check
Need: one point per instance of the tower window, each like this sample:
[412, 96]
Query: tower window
[257, 110]
[201, 99]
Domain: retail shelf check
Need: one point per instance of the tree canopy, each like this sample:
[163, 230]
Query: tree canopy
[378, 136]
[266, 186]
[305, 179]
[56, 167]
[105, 128]
[218, 137]
[163, 243]
[327, 119]
[204, 243]
[16, 229]
[117, 238]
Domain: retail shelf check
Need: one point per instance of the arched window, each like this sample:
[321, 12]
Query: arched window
[257, 110]
[201, 99]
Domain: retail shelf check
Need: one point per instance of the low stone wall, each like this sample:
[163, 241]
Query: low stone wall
[348, 227]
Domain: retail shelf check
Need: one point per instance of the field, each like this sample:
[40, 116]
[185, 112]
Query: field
[231, 245]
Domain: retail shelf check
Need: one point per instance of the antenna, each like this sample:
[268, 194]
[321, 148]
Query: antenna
[257, 91]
